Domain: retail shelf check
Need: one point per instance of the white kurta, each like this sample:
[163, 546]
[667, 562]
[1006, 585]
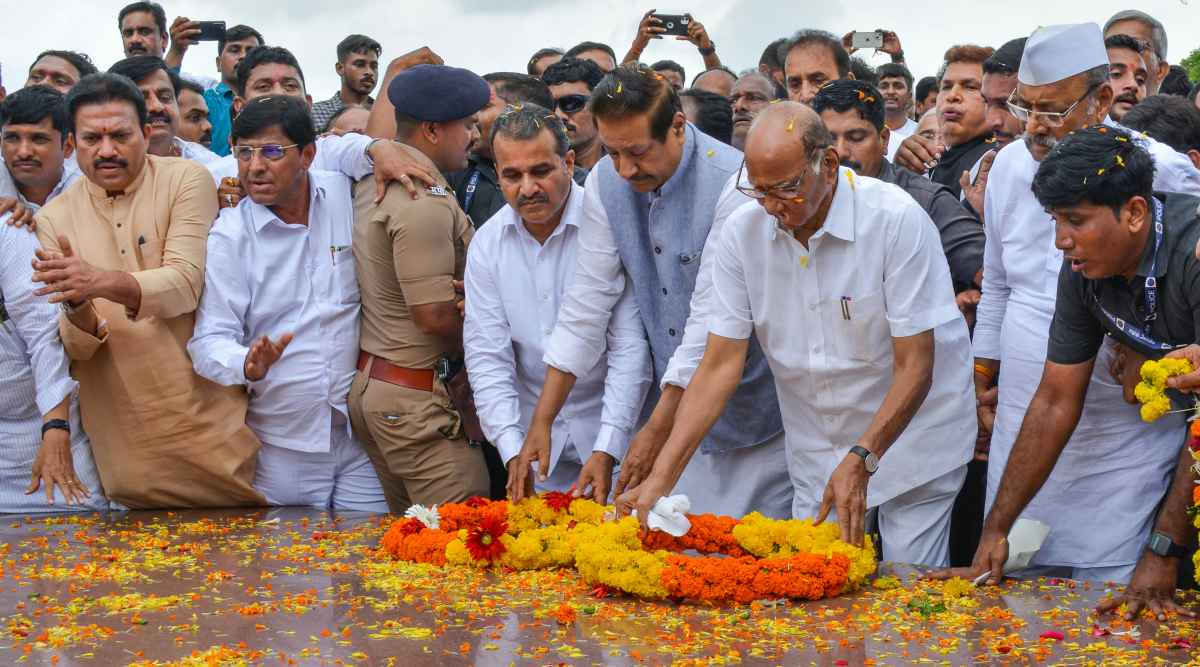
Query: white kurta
[826, 316]
[1099, 500]
[514, 289]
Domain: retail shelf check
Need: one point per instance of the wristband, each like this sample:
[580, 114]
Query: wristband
[60, 424]
[985, 372]
[712, 48]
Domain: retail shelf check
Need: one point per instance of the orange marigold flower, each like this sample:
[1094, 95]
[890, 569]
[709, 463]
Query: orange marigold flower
[483, 541]
[564, 614]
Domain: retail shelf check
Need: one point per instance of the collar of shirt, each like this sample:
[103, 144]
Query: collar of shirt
[223, 90]
[261, 216]
[839, 220]
[685, 159]
[98, 192]
[572, 210]
[955, 153]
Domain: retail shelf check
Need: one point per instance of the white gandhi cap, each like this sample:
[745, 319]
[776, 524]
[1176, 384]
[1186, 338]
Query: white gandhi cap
[1057, 52]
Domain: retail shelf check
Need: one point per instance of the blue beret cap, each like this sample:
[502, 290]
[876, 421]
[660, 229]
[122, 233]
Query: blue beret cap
[437, 93]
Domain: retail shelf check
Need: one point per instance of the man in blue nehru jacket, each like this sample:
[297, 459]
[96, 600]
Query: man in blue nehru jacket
[649, 209]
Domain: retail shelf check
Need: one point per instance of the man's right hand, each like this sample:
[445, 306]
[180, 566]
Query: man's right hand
[1152, 587]
[262, 355]
[229, 193]
[989, 557]
[524, 488]
[184, 34]
[639, 460]
[985, 410]
[916, 153]
[974, 192]
[1188, 382]
[22, 215]
[535, 448]
[421, 56]
[649, 28]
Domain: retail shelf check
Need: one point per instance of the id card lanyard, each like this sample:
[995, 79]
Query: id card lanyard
[1150, 286]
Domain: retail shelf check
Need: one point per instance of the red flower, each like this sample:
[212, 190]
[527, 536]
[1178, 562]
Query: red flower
[483, 541]
[557, 500]
[476, 501]
[411, 526]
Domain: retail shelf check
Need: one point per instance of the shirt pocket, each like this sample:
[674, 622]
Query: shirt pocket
[345, 277]
[860, 327]
[151, 253]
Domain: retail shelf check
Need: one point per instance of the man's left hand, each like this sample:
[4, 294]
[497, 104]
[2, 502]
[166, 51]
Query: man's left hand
[460, 297]
[1152, 587]
[53, 466]
[974, 192]
[596, 475]
[1188, 382]
[697, 35]
[847, 491]
[642, 498]
[67, 277]
[22, 215]
[393, 164]
[891, 43]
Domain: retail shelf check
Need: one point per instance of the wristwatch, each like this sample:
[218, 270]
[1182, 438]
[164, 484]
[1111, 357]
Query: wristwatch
[1164, 546]
[869, 459]
[60, 424]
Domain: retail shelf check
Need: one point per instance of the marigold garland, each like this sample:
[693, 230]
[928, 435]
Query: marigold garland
[1151, 391]
[1193, 444]
[757, 558]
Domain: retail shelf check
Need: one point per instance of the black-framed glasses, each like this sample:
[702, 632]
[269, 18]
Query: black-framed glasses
[1047, 118]
[571, 104]
[272, 152]
[792, 191]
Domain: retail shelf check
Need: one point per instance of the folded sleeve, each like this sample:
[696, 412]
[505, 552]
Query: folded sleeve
[424, 249]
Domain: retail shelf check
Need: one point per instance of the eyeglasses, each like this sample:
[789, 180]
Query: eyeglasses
[1047, 118]
[790, 191]
[571, 104]
[272, 152]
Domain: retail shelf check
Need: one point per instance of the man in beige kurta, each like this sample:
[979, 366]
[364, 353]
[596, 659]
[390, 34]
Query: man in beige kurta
[162, 436]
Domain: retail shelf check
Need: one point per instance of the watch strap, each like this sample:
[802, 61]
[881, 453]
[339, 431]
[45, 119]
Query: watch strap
[1163, 545]
[867, 456]
[60, 424]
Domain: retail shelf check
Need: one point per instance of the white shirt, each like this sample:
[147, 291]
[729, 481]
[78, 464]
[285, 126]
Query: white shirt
[601, 272]
[190, 150]
[8, 187]
[266, 278]
[826, 317]
[1113, 459]
[898, 135]
[514, 289]
[346, 154]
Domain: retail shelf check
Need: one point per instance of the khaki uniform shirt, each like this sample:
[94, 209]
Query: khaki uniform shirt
[162, 436]
[407, 253]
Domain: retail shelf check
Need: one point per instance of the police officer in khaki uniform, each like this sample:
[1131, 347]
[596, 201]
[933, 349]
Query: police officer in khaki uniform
[407, 253]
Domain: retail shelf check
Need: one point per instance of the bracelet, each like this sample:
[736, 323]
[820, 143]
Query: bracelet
[60, 424]
[709, 51]
[985, 372]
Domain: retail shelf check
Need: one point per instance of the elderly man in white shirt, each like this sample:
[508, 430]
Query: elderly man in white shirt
[40, 431]
[518, 268]
[36, 164]
[1113, 459]
[844, 282]
[280, 313]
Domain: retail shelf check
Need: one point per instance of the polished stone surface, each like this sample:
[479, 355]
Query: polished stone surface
[297, 586]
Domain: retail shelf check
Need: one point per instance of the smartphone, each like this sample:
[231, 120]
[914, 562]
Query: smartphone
[211, 31]
[675, 24]
[867, 40]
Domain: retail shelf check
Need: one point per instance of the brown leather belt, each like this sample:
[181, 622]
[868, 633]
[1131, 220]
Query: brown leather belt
[385, 371]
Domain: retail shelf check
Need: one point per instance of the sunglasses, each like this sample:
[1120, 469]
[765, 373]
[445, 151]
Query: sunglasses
[571, 104]
[272, 152]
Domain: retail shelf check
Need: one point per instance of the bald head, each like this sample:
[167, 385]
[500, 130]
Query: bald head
[786, 129]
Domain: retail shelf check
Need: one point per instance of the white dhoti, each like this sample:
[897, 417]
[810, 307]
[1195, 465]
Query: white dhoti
[740, 481]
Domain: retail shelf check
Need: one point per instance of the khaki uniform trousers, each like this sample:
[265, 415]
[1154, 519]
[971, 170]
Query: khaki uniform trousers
[414, 438]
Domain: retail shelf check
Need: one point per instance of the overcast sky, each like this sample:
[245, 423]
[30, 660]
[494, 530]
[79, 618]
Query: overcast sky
[493, 35]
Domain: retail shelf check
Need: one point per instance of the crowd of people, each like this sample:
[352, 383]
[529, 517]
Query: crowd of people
[811, 289]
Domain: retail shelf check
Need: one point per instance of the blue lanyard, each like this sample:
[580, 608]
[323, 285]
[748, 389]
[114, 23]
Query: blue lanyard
[1150, 286]
[470, 194]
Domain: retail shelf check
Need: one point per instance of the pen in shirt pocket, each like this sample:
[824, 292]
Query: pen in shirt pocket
[846, 307]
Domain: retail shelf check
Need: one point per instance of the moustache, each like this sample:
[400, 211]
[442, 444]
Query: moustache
[743, 115]
[110, 162]
[29, 163]
[1044, 140]
[158, 116]
[852, 164]
[137, 48]
[522, 200]
[1131, 98]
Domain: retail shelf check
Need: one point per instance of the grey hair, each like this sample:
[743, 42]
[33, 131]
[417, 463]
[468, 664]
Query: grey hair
[1158, 34]
[1097, 75]
[526, 122]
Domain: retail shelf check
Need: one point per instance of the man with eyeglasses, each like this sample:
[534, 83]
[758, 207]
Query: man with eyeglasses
[1112, 457]
[571, 81]
[280, 309]
[649, 210]
[870, 356]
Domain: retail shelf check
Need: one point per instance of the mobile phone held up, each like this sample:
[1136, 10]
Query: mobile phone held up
[674, 24]
[211, 31]
[867, 40]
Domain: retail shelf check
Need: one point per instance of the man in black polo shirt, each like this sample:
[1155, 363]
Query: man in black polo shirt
[1129, 271]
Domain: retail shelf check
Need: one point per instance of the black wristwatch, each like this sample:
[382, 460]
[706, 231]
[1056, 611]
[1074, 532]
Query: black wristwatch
[870, 461]
[1164, 546]
[60, 424]
[712, 48]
